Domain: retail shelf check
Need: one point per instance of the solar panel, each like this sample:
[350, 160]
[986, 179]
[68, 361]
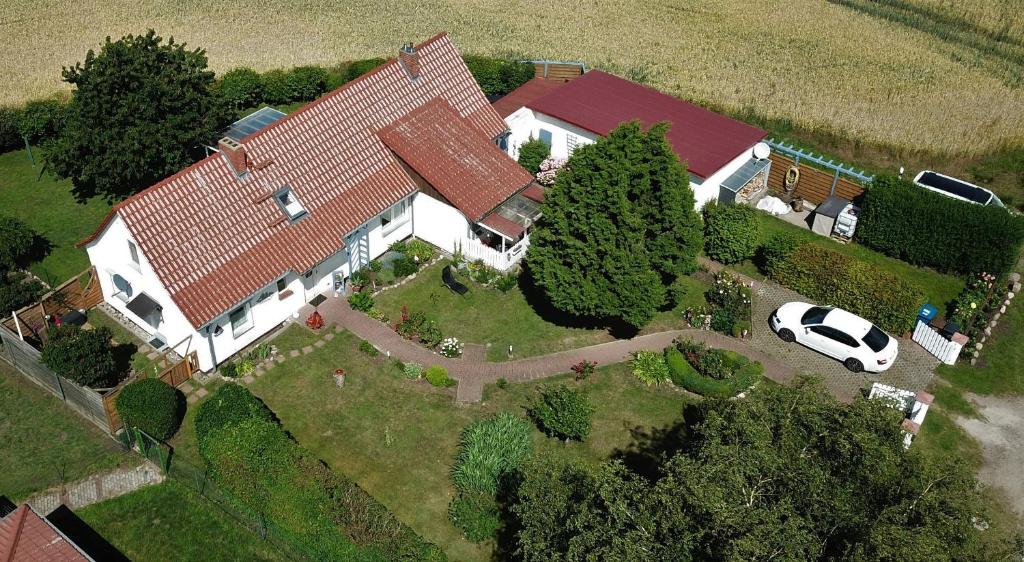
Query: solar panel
[253, 123]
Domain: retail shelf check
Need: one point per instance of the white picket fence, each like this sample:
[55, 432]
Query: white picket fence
[473, 250]
[929, 338]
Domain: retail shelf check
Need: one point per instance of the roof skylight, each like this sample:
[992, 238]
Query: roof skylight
[290, 203]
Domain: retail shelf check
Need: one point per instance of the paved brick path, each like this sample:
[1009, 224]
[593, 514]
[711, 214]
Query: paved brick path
[473, 375]
[97, 488]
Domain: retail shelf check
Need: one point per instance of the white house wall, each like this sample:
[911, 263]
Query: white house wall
[525, 123]
[709, 189]
[268, 307]
[440, 224]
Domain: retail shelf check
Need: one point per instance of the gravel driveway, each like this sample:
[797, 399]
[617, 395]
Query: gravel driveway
[913, 369]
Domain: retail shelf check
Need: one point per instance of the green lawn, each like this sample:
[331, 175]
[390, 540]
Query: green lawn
[488, 316]
[295, 336]
[397, 438]
[43, 443]
[170, 522]
[938, 288]
[999, 369]
[47, 205]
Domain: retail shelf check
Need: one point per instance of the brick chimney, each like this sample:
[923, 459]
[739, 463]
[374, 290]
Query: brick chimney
[410, 60]
[235, 153]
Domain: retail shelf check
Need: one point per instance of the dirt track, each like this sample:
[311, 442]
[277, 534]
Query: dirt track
[1000, 431]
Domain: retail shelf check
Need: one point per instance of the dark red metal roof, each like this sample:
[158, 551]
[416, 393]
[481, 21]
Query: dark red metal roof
[523, 95]
[600, 102]
[458, 160]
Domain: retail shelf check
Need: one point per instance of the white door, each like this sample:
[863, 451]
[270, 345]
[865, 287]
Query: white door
[827, 341]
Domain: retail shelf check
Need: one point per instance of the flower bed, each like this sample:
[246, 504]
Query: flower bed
[980, 301]
[710, 372]
[728, 309]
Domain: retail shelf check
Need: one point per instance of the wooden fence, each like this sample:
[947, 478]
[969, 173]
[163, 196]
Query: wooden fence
[563, 71]
[173, 375]
[81, 292]
[814, 185]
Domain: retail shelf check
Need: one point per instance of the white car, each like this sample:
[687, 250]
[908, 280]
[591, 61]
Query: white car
[859, 344]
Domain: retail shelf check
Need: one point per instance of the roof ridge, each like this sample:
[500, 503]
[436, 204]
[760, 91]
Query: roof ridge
[19, 516]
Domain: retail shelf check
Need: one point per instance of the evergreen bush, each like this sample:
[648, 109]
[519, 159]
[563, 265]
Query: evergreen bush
[731, 232]
[152, 406]
[562, 412]
[907, 222]
[532, 153]
[437, 375]
[240, 88]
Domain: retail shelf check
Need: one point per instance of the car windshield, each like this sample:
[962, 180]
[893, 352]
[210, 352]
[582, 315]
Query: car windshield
[814, 315]
[876, 339]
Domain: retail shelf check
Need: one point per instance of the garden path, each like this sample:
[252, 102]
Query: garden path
[96, 488]
[474, 374]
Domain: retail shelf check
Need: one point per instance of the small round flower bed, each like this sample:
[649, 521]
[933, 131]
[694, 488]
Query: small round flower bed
[715, 373]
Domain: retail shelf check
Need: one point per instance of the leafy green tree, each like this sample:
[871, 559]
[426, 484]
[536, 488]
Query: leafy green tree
[562, 412]
[42, 120]
[17, 289]
[84, 356]
[589, 251]
[532, 153]
[16, 240]
[786, 474]
[661, 192]
[240, 88]
[140, 111]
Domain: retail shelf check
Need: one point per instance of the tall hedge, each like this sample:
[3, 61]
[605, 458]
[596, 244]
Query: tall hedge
[731, 232]
[498, 77]
[831, 278]
[916, 225]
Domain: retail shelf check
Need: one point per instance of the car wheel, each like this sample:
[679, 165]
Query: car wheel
[854, 365]
[787, 335]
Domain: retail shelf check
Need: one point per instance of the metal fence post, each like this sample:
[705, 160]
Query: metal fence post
[835, 180]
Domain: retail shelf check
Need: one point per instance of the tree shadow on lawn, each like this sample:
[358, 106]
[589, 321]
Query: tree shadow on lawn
[652, 446]
[538, 301]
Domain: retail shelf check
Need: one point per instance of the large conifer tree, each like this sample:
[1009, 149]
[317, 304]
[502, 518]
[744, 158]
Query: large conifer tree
[618, 226]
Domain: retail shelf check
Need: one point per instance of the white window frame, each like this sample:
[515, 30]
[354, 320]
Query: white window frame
[133, 255]
[390, 221]
[247, 323]
[572, 142]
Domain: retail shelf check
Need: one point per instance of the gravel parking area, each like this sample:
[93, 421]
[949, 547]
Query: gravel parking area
[913, 369]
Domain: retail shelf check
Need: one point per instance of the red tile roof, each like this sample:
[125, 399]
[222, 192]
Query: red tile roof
[27, 537]
[523, 95]
[214, 239]
[463, 164]
[599, 102]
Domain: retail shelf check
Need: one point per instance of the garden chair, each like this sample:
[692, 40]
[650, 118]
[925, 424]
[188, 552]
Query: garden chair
[451, 282]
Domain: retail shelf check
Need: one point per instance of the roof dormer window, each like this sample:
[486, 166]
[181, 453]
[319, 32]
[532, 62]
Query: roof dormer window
[290, 203]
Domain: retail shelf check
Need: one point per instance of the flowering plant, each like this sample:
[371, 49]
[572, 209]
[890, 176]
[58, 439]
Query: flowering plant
[549, 170]
[584, 369]
[451, 347]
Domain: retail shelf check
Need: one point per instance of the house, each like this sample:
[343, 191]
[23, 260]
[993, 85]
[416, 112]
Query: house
[718, 150]
[25, 536]
[220, 253]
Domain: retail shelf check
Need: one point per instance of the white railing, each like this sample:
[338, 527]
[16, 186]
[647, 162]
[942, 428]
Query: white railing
[473, 250]
[945, 350]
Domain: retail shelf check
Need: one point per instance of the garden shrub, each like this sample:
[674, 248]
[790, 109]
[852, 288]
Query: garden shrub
[152, 406]
[506, 282]
[18, 289]
[361, 301]
[240, 88]
[710, 372]
[731, 232]
[361, 67]
[490, 451]
[412, 371]
[307, 82]
[16, 241]
[532, 153]
[419, 250]
[831, 278]
[84, 356]
[10, 139]
[437, 375]
[562, 412]
[775, 251]
[729, 302]
[367, 348]
[377, 314]
[404, 266]
[230, 404]
[477, 515]
[277, 88]
[42, 119]
[417, 327]
[649, 367]
[916, 225]
[498, 77]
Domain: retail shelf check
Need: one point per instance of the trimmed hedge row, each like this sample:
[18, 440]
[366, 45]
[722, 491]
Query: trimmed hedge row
[683, 374]
[731, 232]
[256, 460]
[831, 278]
[918, 226]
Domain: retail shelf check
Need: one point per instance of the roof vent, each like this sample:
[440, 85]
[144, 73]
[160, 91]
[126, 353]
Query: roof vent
[410, 60]
[235, 153]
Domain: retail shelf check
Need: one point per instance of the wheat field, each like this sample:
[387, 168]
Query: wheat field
[823, 65]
